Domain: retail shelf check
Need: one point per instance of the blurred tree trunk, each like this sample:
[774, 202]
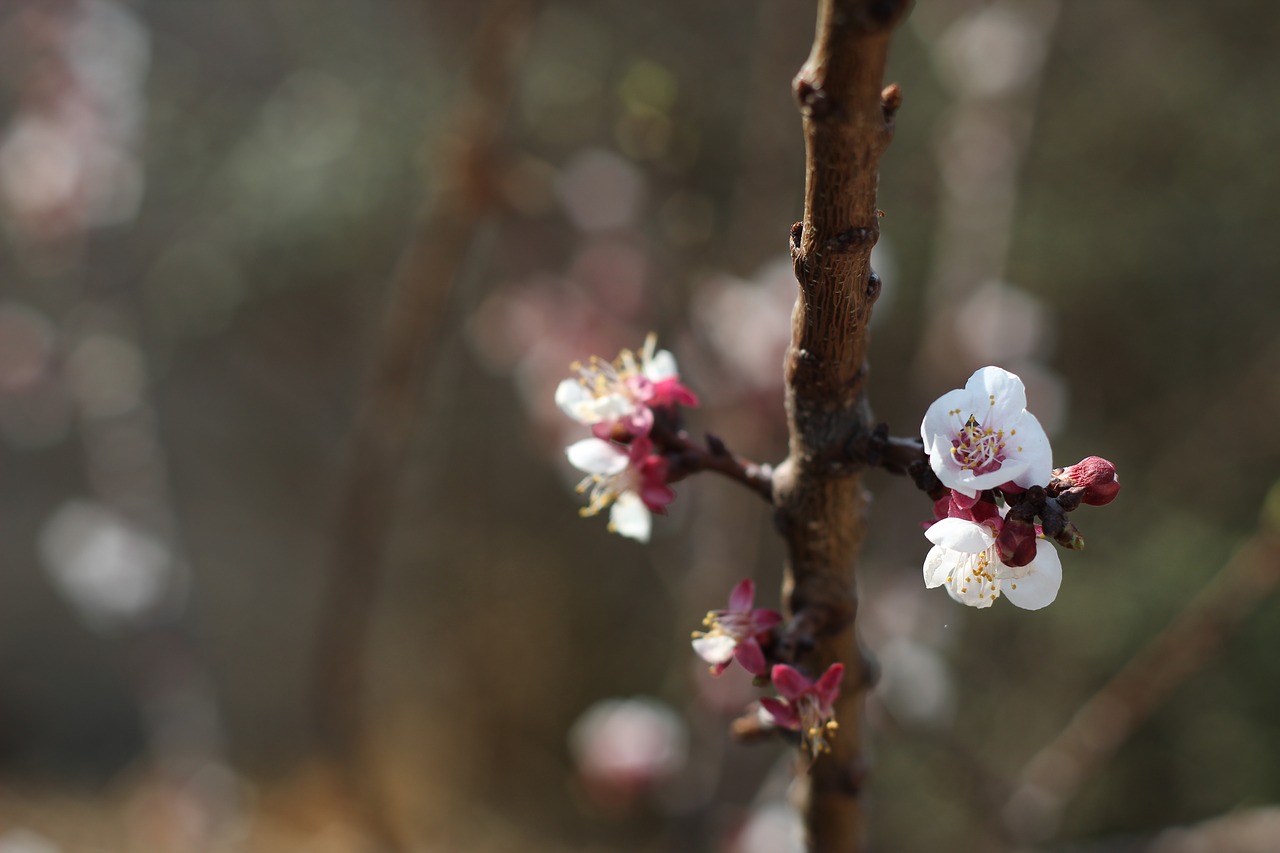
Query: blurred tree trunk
[467, 169]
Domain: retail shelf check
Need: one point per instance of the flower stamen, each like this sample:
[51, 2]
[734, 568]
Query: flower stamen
[978, 449]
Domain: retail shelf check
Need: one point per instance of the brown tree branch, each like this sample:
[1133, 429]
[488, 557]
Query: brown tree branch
[820, 503]
[688, 457]
[380, 438]
[1055, 774]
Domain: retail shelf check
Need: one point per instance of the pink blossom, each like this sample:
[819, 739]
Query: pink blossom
[617, 399]
[806, 706]
[626, 747]
[734, 634]
[629, 479]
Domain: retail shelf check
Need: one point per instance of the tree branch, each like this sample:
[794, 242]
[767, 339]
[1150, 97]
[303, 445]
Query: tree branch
[1055, 774]
[820, 503]
[687, 457]
[380, 438]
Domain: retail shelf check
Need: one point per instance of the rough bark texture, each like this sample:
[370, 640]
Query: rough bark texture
[820, 501]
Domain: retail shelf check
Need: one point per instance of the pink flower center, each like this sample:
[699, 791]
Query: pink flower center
[978, 449]
[641, 388]
[732, 623]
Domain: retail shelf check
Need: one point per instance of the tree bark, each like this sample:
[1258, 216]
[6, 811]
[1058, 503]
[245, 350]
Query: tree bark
[819, 499]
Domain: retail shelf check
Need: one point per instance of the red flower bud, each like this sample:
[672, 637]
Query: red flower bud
[1097, 479]
[1016, 543]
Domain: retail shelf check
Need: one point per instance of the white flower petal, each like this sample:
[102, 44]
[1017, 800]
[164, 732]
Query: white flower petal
[661, 366]
[950, 474]
[996, 398]
[1032, 447]
[971, 594]
[1038, 587]
[938, 565]
[570, 397]
[610, 407]
[940, 425]
[629, 517]
[715, 649]
[999, 395]
[597, 456]
[940, 459]
[1011, 469]
[958, 534]
[584, 406]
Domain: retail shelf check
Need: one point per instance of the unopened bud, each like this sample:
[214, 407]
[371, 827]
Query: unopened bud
[1070, 538]
[1016, 543]
[1096, 478]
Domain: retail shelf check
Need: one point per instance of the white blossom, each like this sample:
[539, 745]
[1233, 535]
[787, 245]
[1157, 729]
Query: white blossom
[964, 560]
[982, 436]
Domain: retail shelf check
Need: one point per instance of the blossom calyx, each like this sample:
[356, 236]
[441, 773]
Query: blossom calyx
[1095, 478]
[980, 508]
[1016, 542]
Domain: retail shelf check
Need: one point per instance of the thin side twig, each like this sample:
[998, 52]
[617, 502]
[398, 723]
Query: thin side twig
[688, 457]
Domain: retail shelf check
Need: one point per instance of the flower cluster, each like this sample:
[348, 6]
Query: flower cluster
[994, 458]
[620, 401]
[743, 632]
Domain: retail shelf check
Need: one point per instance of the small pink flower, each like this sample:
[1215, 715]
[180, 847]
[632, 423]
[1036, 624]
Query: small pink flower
[616, 399]
[629, 479]
[735, 633]
[806, 706]
[1096, 478]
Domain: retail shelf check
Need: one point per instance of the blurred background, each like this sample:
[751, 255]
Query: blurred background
[220, 221]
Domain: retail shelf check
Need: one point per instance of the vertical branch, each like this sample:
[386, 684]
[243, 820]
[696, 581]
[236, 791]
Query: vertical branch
[379, 441]
[848, 121]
